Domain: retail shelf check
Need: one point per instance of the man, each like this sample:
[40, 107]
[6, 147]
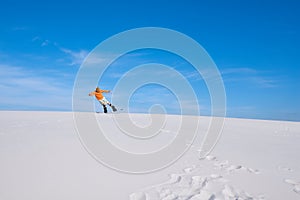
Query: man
[99, 96]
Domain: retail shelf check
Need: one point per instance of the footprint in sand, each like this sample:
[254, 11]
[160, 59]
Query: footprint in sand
[192, 186]
[295, 184]
[203, 195]
[230, 192]
[174, 178]
[254, 171]
[198, 181]
[291, 182]
[210, 157]
[286, 169]
[215, 176]
[224, 165]
[297, 189]
[233, 168]
[166, 194]
[189, 169]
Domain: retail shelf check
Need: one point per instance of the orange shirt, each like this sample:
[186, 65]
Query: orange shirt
[99, 94]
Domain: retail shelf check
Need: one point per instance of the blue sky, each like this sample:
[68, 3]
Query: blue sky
[255, 45]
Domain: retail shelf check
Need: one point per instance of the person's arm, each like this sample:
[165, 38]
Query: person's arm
[91, 93]
[105, 91]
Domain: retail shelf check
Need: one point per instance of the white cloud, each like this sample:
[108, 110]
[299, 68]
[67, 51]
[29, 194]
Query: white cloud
[23, 88]
[239, 70]
[265, 82]
[41, 41]
[74, 57]
[45, 43]
[263, 79]
[77, 57]
[36, 38]
[7, 70]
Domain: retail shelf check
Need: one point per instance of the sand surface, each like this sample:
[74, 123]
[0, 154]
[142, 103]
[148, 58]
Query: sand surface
[41, 157]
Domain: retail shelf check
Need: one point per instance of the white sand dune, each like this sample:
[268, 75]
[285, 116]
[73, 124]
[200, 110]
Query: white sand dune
[42, 158]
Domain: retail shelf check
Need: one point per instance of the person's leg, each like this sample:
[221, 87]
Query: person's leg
[108, 103]
[103, 103]
[104, 108]
[113, 107]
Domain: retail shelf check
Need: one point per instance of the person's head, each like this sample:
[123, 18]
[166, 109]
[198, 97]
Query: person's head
[97, 89]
